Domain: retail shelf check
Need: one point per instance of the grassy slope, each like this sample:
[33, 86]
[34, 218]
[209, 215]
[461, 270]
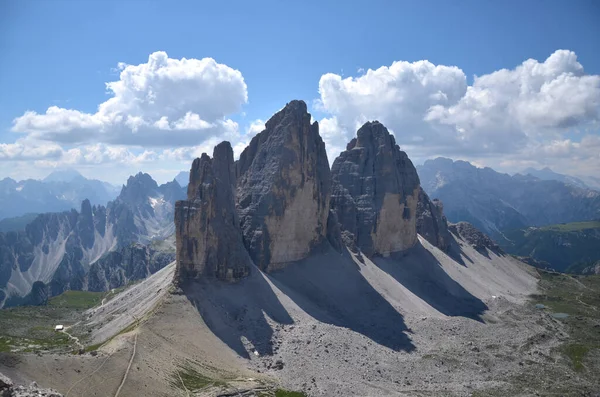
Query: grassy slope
[578, 296]
[31, 328]
[567, 245]
[77, 299]
[573, 226]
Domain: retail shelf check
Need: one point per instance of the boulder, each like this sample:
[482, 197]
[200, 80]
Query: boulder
[283, 189]
[9, 389]
[208, 239]
[5, 383]
[375, 192]
[432, 224]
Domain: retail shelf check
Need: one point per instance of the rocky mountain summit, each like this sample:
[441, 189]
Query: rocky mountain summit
[58, 249]
[283, 189]
[375, 192]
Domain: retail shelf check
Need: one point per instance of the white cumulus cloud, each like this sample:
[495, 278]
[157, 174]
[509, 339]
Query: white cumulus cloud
[531, 110]
[164, 102]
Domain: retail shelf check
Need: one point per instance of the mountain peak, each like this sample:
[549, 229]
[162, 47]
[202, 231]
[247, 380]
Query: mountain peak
[66, 175]
[138, 187]
[295, 109]
[375, 192]
[183, 178]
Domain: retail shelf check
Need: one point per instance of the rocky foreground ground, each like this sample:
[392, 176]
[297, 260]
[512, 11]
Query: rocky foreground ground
[394, 337]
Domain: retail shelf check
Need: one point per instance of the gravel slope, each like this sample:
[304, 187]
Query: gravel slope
[426, 323]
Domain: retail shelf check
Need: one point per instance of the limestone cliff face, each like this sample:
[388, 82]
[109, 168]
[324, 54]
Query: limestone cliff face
[431, 221]
[375, 192]
[283, 189]
[208, 238]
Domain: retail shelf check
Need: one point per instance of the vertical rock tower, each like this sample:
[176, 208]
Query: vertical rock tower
[209, 241]
[283, 189]
[375, 192]
[431, 221]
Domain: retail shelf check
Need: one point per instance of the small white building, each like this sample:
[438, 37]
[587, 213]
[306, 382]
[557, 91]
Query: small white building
[59, 327]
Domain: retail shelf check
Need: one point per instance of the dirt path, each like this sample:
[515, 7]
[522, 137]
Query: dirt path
[76, 339]
[578, 298]
[112, 291]
[128, 366]
[88, 375]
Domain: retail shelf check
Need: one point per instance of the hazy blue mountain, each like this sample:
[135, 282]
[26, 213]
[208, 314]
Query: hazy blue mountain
[495, 202]
[183, 178]
[591, 181]
[547, 174]
[59, 191]
[67, 175]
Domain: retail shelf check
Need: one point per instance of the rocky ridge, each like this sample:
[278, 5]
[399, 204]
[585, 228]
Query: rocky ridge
[474, 237]
[58, 249]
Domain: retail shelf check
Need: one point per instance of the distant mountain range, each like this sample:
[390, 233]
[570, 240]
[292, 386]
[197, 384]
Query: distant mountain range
[59, 249]
[496, 202]
[547, 174]
[59, 191]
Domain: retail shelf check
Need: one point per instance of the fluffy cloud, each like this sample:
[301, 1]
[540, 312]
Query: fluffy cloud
[399, 96]
[525, 111]
[51, 155]
[533, 99]
[24, 150]
[164, 102]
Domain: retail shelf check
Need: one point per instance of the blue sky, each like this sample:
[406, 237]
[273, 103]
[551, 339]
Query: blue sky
[61, 53]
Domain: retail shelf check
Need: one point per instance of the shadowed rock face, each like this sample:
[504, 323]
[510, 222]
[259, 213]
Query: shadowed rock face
[283, 189]
[208, 238]
[375, 192]
[431, 221]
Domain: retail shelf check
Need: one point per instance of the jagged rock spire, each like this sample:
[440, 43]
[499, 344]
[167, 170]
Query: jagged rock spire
[432, 224]
[283, 189]
[375, 192]
[208, 238]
